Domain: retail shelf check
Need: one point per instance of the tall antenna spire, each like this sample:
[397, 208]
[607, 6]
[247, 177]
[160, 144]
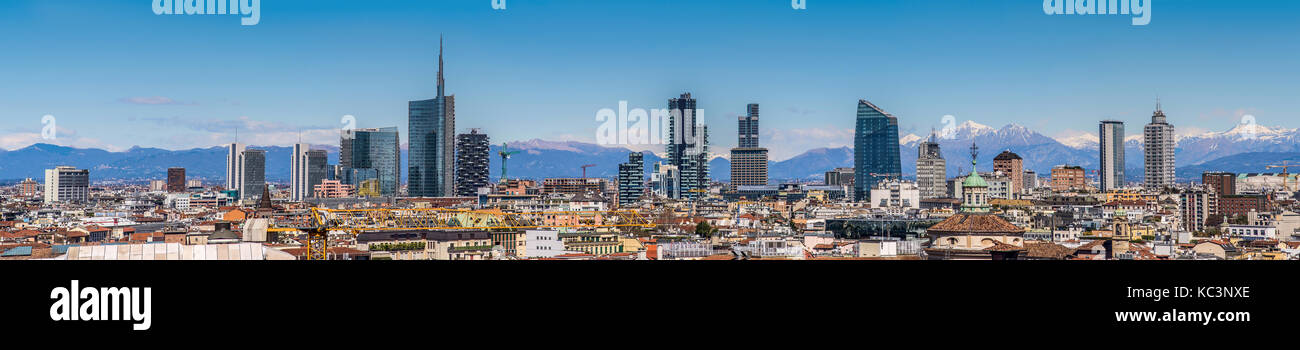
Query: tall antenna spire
[440, 81]
[1157, 103]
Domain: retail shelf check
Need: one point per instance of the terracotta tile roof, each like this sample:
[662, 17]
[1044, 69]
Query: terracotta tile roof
[975, 223]
[1047, 250]
[1003, 247]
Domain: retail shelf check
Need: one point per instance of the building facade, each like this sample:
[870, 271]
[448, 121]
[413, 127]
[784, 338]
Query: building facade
[299, 185]
[1223, 183]
[1197, 206]
[1111, 136]
[67, 184]
[875, 151]
[1068, 178]
[432, 147]
[472, 156]
[931, 170]
[176, 180]
[234, 164]
[1159, 144]
[252, 174]
[1010, 164]
[631, 179]
[371, 158]
[687, 147]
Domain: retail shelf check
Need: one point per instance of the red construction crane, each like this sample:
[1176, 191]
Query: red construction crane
[584, 169]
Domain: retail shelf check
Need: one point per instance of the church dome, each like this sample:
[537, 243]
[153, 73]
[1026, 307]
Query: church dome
[974, 180]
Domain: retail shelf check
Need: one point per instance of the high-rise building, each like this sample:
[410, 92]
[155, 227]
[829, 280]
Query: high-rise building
[176, 180]
[631, 179]
[67, 184]
[875, 149]
[688, 147]
[1030, 181]
[1197, 207]
[234, 166]
[1111, 136]
[472, 152]
[1010, 164]
[432, 151]
[748, 129]
[666, 180]
[29, 187]
[318, 169]
[1068, 178]
[1223, 183]
[749, 161]
[1158, 141]
[299, 184]
[931, 170]
[372, 155]
[253, 174]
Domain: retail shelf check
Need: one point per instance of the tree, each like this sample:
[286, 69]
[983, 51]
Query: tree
[704, 230]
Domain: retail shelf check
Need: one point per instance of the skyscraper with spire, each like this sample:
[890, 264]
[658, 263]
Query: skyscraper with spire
[432, 142]
[1158, 141]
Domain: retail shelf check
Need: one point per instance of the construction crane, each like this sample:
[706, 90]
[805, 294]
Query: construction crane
[505, 155]
[1286, 166]
[322, 221]
[584, 169]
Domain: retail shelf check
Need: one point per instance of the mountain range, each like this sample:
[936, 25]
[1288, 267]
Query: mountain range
[1235, 150]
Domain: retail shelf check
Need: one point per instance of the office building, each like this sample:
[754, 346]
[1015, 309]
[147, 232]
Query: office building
[574, 186]
[1222, 183]
[299, 184]
[666, 181]
[931, 170]
[472, 152]
[252, 175]
[896, 197]
[432, 149]
[688, 147]
[67, 184]
[176, 180]
[318, 168]
[1197, 207]
[631, 179]
[748, 127]
[234, 164]
[1010, 164]
[1111, 155]
[875, 149]
[29, 187]
[749, 161]
[371, 160]
[1068, 178]
[1158, 142]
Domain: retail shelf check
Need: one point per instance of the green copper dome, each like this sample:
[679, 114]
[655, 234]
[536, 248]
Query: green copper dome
[974, 180]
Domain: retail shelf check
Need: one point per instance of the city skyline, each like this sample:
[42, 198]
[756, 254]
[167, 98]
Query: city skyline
[272, 104]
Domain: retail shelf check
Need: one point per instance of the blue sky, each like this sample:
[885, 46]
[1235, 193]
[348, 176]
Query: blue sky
[115, 75]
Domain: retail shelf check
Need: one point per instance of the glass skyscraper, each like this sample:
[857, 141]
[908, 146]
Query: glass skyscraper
[1111, 137]
[372, 154]
[688, 148]
[432, 127]
[875, 149]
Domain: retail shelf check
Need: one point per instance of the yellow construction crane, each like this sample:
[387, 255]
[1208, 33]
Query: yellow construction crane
[356, 221]
[1286, 165]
